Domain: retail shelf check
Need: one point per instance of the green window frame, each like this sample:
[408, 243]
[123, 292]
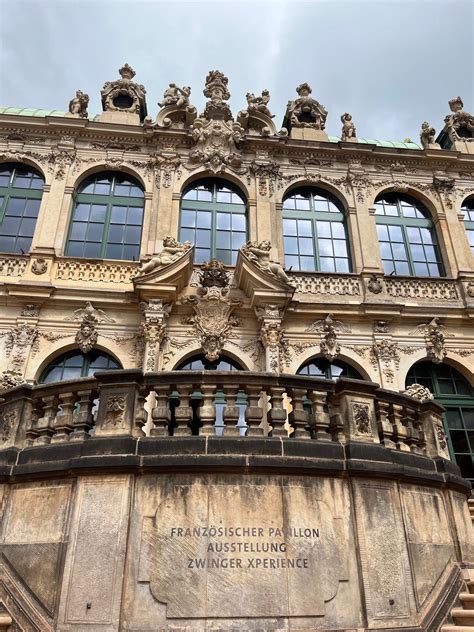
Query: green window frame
[467, 209]
[213, 217]
[21, 190]
[321, 367]
[75, 364]
[107, 218]
[453, 391]
[407, 239]
[315, 232]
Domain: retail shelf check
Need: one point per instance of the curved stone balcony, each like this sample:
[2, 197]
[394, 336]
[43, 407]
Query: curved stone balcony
[191, 500]
[195, 418]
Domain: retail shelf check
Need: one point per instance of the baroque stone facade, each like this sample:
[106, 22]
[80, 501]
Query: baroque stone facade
[266, 288]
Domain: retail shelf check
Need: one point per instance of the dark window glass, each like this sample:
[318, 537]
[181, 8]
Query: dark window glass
[76, 364]
[21, 190]
[214, 219]
[106, 219]
[407, 238]
[467, 209]
[314, 232]
[321, 367]
[454, 392]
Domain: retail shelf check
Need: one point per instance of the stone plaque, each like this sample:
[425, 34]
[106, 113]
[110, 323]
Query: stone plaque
[247, 550]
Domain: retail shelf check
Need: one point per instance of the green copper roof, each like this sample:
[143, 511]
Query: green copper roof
[332, 139]
[32, 112]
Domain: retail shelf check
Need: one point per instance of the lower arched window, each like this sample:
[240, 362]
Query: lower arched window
[200, 363]
[320, 367]
[454, 392]
[467, 209]
[75, 364]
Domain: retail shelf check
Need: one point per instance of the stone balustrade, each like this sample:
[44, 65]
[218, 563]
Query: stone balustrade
[174, 404]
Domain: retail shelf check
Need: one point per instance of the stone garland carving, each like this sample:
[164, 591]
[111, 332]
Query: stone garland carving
[259, 253]
[348, 128]
[267, 174]
[8, 421]
[11, 378]
[459, 120]
[374, 284]
[427, 135]
[361, 417]
[419, 392]
[78, 105]
[172, 345]
[31, 310]
[213, 319]
[115, 410]
[172, 251]
[89, 318]
[50, 337]
[328, 328]
[19, 341]
[435, 337]
[39, 266]
[153, 331]
[126, 87]
[386, 352]
[306, 111]
[167, 165]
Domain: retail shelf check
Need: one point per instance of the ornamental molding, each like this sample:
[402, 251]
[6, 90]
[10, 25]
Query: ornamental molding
[435, 336]
[153, 331]
[419, 392]
[328, 328]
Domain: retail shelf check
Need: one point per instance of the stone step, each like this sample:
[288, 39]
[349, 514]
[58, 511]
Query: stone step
[457, 628]
[467, 598]
[463, 617]
[470, 586]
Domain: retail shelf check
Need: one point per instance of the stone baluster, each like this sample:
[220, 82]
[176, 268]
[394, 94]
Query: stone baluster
[384, 425]
[207, 410]
[254, 412]
[184, 412]
[231, 412]
[277, 414]
[141, 415]
[400, 432]
[37, 408]
[82, 417]
[161, 413]
[319, 419]
[336, 426]
[45, 424]
[412, 435]
[298, 417]
[418, 426]
[63, 423]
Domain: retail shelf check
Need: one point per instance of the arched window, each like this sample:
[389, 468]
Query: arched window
[214, 219]
[454, 392]
[200, 363]
[107, 218]
[314, 232]
[407, 238]
[467, 209]
[21, 190]
[75, 364]
[320, 367]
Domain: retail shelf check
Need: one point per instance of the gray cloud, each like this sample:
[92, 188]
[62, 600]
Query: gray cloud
[392, 64]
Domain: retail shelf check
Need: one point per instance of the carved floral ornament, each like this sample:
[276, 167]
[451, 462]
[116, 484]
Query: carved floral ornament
[328, 328]
[435, 338]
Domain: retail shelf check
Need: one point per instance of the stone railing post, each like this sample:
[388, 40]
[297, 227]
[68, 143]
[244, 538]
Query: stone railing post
[319, 423]
[431, 420]
[231, 412]
[183, 413]
[254, 412]
[298, 417]
[118, 397]
[207, 410]
[384, 424]
[63, 424]
[355, 400]
[161, 413]
[82, 417]
[44, 426]
[15, 416]
[277, 414]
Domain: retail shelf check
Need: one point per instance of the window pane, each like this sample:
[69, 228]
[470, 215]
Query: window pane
[239, 222]
[291, 245]
[98, 213]
[414, 236]
[131, 252]
[382, 232]
[32, 208]
[304, 228]
[132, 234]
[402, 268]
[27, 227]
[292, 261]
[203, 219]
[399, 252]
[325, 247]
[289, 227]
[324, 229]
[15, 206]
[418, 253]
[94, 232]
[306, 246]
[421, 269]
[327, 265]
[113, 251]
[134, 216]
[115, 233]
[395, 233]
[223, 221]
[340, 248]
[119, 213]
[81, 212]
[342, 265]
[92, 250]
[238, 240]
[10, 225]
[338, 230]
[307, 264]
[203, 238]
[222, 239]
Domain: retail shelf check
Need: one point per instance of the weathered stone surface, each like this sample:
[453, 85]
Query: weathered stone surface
[429, 541]
[94, 565]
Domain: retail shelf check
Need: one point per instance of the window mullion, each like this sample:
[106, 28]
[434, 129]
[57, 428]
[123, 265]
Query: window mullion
[317, 263]
[105, 236]
[408, 250]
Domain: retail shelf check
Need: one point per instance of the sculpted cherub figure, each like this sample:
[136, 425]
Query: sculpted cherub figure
[427, 135]
[259, 253]
[174, 95]
[348, 127]
[259, 104]
[172, 250]
[78, 105]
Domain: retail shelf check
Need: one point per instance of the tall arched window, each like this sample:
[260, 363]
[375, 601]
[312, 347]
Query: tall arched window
[407, 237]
[21, 190]
[214, 219]
[467, 209]
[320, 367]
[75, 364]
[107, 218]
[314, 232]
[454, 392]
[200, 363]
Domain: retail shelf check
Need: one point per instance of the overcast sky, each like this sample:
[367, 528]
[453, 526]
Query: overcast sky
[391, 63]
